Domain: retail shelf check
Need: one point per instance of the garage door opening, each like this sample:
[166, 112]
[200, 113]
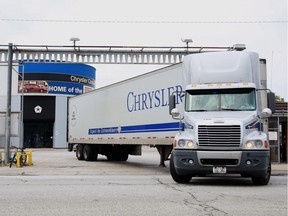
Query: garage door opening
[38, 134]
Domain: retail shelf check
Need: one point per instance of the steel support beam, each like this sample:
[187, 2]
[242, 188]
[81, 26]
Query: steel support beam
[103, 54]
[8, 107]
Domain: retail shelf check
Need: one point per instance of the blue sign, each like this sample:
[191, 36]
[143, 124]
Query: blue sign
[65, 88]
[56, 78]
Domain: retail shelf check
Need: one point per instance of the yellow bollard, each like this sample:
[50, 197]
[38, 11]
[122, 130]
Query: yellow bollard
[29, 155]
[18, 155]
[26, 154]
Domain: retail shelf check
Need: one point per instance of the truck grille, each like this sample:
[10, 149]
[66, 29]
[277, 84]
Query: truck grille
[219, 135]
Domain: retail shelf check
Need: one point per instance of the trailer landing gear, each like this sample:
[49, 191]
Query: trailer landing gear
[164, 152]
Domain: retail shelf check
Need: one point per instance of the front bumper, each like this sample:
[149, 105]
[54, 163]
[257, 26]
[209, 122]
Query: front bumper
[248, 163]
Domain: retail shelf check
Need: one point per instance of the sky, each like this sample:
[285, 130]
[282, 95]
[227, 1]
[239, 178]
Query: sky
[260, 24]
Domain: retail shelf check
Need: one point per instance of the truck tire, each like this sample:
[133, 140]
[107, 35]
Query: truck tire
[263, 180]
[79, 152]
[88, 153]
[178, 178]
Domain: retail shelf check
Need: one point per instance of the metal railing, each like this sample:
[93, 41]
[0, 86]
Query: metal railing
[103, 54]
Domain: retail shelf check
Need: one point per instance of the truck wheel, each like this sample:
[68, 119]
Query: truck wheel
[262, 180]
[79, 152]
[88, 153]
[178, 178]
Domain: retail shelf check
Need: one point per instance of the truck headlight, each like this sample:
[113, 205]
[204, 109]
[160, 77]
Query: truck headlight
[257, 144]
[185, 143]
[190, 144]
[249, 145]
[181, 143]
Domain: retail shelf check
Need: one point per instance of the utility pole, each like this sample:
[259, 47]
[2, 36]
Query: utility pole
[8, 109]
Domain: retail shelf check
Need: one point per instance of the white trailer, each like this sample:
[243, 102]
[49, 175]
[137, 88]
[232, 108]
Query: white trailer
[224, 118]
[118, 119]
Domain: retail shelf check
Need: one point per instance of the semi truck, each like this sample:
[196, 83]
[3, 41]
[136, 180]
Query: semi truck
[117, 120]
[224, 118]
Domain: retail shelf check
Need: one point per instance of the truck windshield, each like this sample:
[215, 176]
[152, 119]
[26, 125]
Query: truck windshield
[238, 99]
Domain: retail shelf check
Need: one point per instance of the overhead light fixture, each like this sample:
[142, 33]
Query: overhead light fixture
[187, 41]
[239, 47]
[74, 39]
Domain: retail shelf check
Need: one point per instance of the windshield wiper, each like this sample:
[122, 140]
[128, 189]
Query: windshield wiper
[231, 109]
[200, 110]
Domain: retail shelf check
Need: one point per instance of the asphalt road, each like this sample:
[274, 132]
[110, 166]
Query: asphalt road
[59, 184]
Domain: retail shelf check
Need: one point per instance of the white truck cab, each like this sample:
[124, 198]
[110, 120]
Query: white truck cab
[223, 118]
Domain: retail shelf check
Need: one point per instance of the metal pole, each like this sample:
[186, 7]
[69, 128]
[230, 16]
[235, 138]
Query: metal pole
[278, 139]
[8, 110]
[22, 108]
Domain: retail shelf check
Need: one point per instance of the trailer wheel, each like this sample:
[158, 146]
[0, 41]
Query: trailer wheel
[178, 178]
[79, 152]
[263, 180]
[88, 153]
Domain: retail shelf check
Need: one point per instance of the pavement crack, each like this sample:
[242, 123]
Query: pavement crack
[203, 207]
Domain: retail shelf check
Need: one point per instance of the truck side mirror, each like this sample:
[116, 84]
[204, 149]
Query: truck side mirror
[175, 113]
[172, 103]
[266, 113]
[271, 101]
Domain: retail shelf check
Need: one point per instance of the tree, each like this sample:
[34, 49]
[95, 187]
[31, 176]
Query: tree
[279, 98]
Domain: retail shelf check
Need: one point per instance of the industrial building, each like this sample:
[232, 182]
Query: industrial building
[278, 133]
[44, 89]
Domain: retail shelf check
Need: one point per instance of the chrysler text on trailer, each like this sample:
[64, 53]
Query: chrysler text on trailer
[224, 117]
